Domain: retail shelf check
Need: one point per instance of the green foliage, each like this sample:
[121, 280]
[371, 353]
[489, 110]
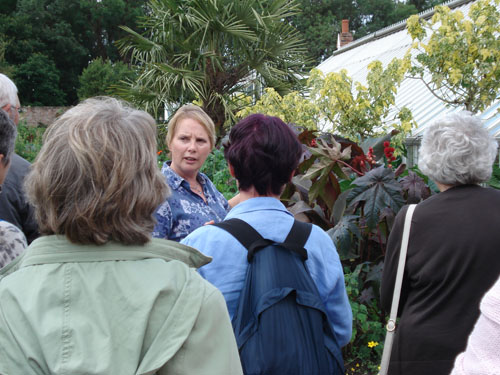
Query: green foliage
[319, 22]
[374, 192]
[38, 82]
[368, 330]
[29, 141]
[422, 5]
[351, 109]
[69, 32]
[357, 111]
[292, 108]
[99, 77]
[355, 195]
[212, 51]
[461, 56]
[494, 181]
[318, 31]
[381, 13]
[216, 169]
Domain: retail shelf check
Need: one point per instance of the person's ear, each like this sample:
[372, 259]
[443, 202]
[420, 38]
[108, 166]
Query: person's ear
[231, 170]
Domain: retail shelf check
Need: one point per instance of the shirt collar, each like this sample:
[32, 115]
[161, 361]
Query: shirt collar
[257, 204]
[174, 180]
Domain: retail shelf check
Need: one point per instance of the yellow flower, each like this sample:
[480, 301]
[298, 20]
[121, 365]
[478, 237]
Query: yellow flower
[372, 344]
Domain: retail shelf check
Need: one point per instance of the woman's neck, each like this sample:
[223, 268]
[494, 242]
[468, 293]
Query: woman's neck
[189, 178]
[253, 193]
[443, 187]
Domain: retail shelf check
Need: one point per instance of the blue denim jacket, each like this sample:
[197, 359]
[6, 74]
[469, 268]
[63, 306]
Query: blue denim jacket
[184, 210]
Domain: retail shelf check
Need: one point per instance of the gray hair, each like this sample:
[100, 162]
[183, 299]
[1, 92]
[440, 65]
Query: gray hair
[8, 133]
[8, 91]
[457, 150]
[96, 178]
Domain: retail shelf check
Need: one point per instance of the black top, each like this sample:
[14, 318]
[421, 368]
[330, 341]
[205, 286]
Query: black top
[13, 205]
[453, 259]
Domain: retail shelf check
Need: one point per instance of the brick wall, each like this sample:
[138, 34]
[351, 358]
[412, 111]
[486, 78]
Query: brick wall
[35, 116]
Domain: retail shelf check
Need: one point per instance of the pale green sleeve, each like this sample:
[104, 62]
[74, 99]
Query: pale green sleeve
[211, 347]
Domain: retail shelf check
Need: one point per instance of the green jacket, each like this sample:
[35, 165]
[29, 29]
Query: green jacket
[112, 309]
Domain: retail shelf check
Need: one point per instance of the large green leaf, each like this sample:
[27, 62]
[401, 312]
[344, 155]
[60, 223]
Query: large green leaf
[340, 206]
[376, 190]
[342, 235]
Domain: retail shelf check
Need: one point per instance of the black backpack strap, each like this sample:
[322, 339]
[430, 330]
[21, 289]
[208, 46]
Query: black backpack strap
[245, 234]
[297, 238]
[253, 241]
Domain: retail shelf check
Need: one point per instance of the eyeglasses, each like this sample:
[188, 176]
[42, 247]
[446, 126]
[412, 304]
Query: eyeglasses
[20, 110]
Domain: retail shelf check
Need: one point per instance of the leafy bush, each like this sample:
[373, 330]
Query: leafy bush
[216, 169]
[29, 141]
[99, 76]
[354, 193]
[38, 82]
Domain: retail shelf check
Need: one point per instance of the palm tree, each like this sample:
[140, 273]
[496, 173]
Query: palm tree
[211, 51]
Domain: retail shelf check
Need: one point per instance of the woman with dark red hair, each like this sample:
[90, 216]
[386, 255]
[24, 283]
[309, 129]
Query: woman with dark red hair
[263, 153]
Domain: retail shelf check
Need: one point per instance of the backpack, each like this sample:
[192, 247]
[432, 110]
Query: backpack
[281, 326]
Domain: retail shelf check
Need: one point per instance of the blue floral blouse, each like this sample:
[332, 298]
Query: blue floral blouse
[184, 210]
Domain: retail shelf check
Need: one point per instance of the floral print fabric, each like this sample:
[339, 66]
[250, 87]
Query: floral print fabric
[12, 242]
[184, 210]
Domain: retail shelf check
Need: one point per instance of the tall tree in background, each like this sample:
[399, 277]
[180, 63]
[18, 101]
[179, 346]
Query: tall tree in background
[319, 22]
[213, 50]
[457, 57]
[422, 5]
[69, 33]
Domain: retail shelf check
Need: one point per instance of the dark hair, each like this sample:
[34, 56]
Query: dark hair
[264, 152]
[8, 133]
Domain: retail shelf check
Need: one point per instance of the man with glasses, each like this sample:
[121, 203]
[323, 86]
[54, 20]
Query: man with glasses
[13, 205]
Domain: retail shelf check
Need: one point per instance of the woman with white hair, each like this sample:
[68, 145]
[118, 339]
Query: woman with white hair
[95, 294]
[453, 256]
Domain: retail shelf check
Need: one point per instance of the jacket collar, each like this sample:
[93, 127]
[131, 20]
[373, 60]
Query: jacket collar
[58, 249]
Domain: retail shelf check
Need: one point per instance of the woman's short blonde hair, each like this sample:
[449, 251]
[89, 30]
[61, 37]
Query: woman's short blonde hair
[96, 178]
[193, 112]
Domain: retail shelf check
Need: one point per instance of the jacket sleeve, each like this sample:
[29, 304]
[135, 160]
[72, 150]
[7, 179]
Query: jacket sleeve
[391, 262]
[211, 347]
[481, 355]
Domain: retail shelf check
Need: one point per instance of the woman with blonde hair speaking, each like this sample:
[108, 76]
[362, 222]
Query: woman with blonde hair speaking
[95, 294]
[195, 200]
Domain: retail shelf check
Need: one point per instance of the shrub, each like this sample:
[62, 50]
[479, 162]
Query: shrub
[29, 141]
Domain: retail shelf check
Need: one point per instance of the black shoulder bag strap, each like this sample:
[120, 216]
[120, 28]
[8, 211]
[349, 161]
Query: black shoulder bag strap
[253, 241]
